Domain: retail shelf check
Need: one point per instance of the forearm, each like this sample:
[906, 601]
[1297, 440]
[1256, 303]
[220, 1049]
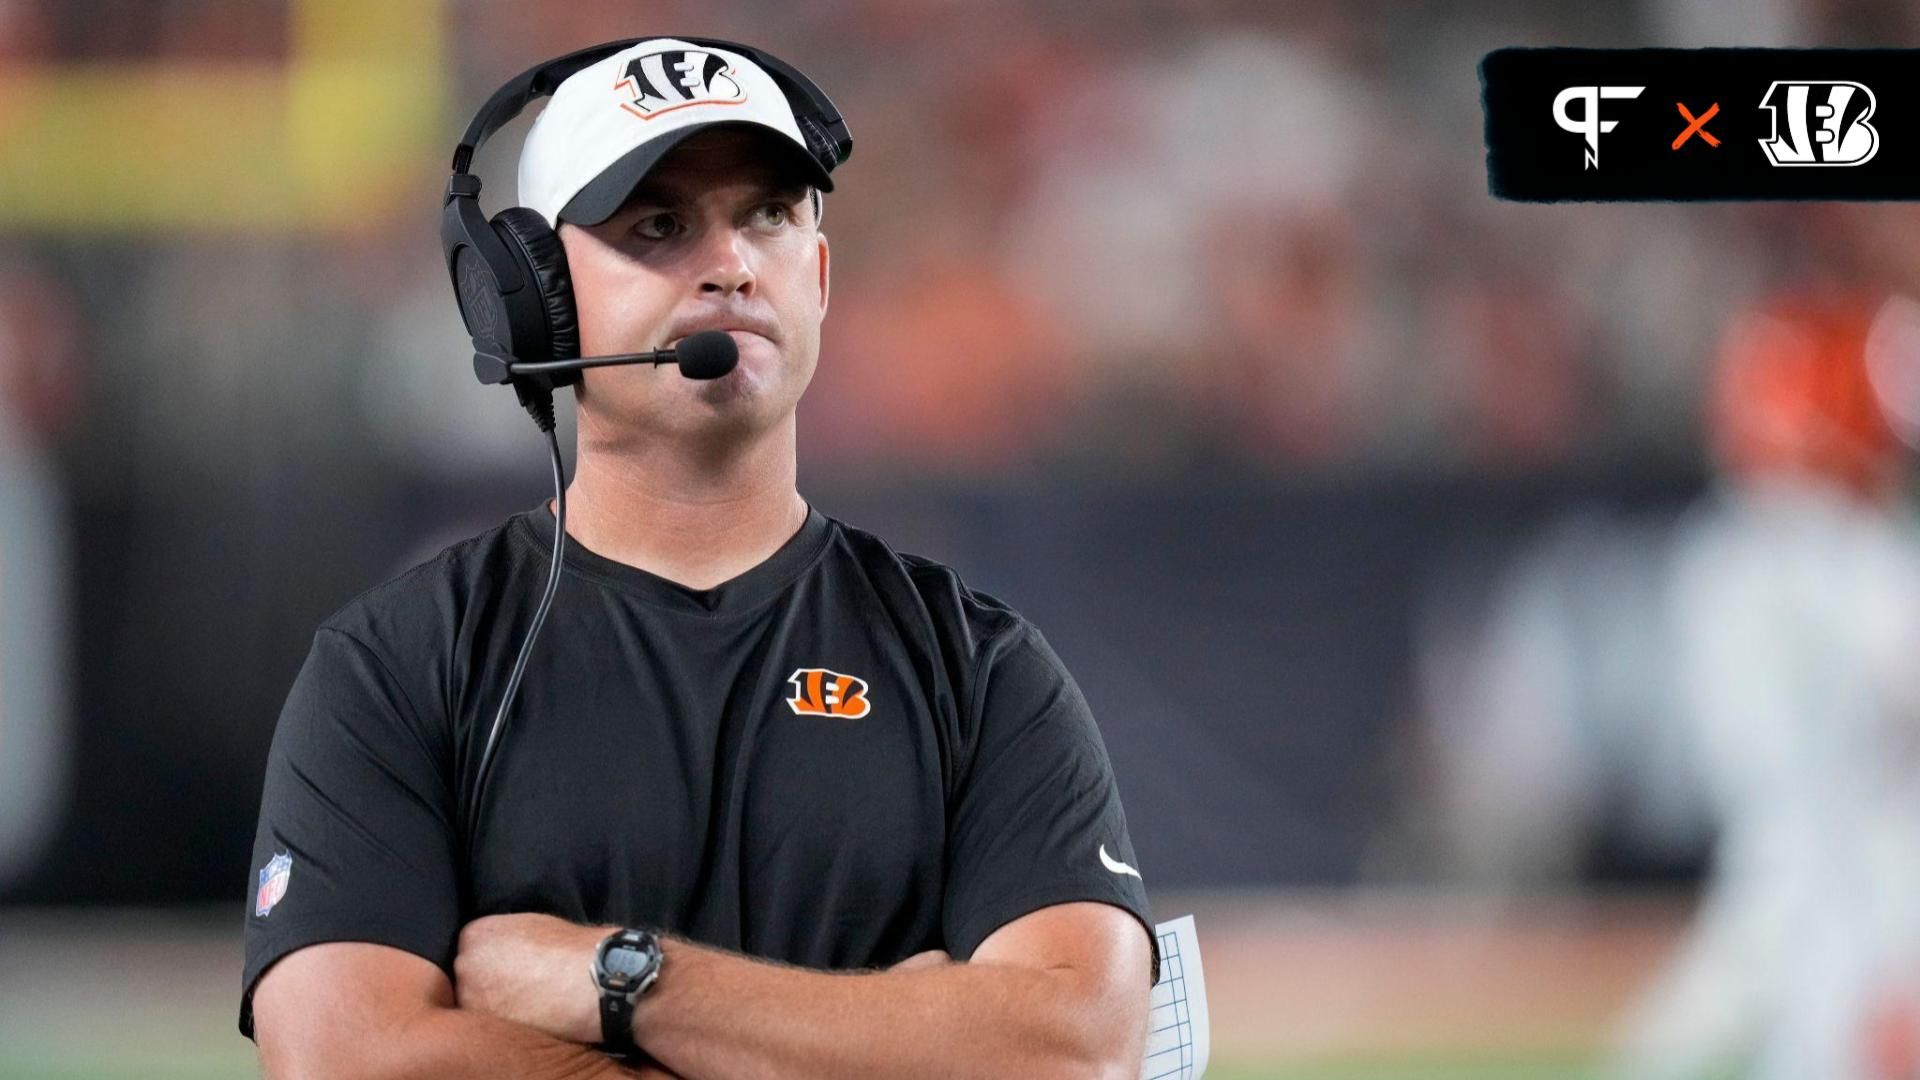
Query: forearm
[718, 1016]
[443, 1042]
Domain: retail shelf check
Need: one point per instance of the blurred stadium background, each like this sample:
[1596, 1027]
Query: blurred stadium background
[1502, 618]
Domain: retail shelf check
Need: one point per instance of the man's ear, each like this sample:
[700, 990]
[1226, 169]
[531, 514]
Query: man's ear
[821, 239]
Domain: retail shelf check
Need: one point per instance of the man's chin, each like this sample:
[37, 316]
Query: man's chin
[749, 398]
[735, 405]
[737, 387]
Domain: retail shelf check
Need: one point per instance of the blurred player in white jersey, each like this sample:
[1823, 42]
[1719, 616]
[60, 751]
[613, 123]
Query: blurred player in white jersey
[1795, 620]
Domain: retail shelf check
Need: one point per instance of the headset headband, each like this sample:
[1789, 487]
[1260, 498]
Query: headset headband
[826, 133]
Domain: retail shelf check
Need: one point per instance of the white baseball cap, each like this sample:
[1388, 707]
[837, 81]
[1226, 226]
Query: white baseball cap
[607, 124]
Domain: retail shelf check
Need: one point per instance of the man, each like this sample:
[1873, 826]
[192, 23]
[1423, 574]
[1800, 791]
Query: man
[755, 749]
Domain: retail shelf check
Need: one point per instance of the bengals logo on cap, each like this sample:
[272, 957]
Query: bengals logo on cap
[819, 692]
[661, 82]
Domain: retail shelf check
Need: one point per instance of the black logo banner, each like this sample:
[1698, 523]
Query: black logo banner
[1657, 124]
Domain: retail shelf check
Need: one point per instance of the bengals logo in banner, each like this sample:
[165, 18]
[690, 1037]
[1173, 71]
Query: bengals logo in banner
[1825, 123]
[819, 692]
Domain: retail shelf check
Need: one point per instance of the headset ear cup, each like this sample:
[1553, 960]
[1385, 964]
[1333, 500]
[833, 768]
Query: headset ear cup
[546, 259]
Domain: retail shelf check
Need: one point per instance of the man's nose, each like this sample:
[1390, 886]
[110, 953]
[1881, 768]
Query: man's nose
[727, 267]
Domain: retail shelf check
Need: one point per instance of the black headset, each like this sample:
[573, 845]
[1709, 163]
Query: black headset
[510, 273]
[516, 296]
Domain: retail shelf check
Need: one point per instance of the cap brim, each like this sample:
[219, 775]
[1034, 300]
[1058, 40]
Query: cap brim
[605, 194]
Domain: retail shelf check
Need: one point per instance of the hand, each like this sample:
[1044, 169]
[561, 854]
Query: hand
[532, 969]
[932, 958]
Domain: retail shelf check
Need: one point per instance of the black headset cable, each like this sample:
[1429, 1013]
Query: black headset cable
[542, 411]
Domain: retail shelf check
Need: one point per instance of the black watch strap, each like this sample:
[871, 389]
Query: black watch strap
[624, 966]
[616, 1024]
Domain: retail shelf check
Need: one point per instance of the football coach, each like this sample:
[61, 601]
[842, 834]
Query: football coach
[776, 800]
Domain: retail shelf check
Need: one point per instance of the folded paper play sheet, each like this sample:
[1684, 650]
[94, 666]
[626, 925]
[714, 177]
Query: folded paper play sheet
[1177, 1027]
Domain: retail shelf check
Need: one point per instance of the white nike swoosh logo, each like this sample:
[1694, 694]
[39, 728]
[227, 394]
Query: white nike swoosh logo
[1116, 865]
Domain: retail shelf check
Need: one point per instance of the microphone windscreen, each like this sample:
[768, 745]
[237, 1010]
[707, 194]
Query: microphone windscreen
[708, 354]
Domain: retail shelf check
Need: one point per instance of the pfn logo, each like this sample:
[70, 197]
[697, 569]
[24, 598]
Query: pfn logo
[819, 692]
[1826, 124]
[1589, 124]
[676, 78]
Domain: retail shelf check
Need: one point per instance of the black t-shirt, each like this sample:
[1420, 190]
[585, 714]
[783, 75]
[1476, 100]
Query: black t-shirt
[841, 757]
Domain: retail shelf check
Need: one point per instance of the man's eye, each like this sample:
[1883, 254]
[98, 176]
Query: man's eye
[657, 226]
[775, 214]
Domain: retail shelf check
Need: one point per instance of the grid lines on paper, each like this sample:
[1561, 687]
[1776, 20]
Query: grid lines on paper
[1169, 1027]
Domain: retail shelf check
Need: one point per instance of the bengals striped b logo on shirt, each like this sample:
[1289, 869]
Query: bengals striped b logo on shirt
[819, 692]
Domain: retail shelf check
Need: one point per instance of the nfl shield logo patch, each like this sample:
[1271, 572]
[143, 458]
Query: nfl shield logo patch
[273, 883]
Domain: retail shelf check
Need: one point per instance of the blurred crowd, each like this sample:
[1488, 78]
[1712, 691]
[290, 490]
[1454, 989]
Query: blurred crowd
[1199, 231]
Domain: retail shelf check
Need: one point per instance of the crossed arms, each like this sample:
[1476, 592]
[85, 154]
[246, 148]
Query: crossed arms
[1055, 993]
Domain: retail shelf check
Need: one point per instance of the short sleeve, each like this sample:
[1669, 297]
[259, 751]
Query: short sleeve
[1035, 818]
[356, 837]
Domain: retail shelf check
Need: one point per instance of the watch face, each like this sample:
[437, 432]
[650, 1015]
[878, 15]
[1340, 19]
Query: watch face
[625, 963]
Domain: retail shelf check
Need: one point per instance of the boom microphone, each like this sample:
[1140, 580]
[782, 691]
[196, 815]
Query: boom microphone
[708, 354]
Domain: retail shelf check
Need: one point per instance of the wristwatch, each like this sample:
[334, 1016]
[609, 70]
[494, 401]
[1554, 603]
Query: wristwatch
[624, 965]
